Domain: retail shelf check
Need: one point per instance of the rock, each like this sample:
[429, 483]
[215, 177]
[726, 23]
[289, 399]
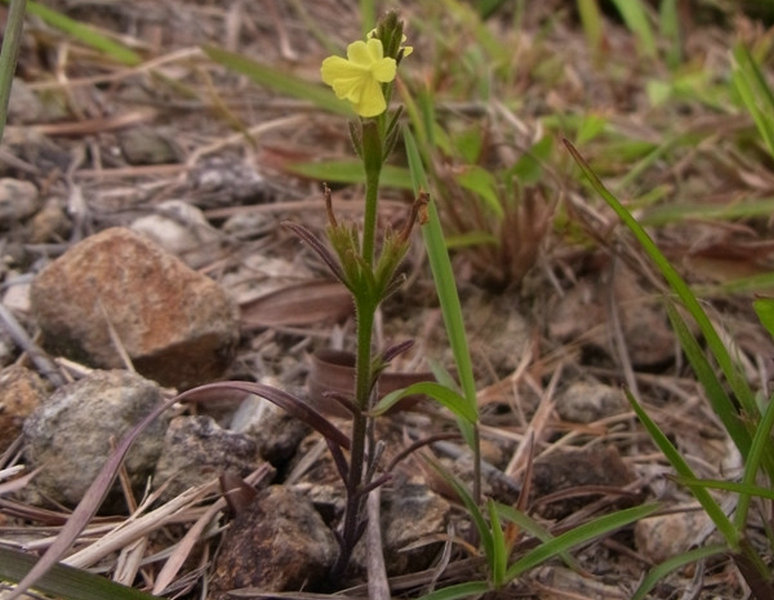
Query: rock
[18, 200]
[197, 450]
[279, 543]
[21, 392]
[50, 223]
[70, 434]
[24, 106]
[176, 325]
[584, 402]
[499, 334]
[17, 295]
[664, 536]
[561, 471]
[410, 512]
[277, 433]
[146, 146]
[183, 230]
[584, 312]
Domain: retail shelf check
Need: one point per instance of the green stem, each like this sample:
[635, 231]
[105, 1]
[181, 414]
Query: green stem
[369, 219]
[9, 54]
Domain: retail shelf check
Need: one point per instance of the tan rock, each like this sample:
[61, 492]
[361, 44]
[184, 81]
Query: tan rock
[176, 325]
[21, 391]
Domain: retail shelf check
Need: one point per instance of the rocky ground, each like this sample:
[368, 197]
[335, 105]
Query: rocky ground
[143, 254]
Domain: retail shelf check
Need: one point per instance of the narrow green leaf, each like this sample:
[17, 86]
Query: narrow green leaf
[443, 276]
[684, 211]
[669, 24]
[441, 394]
[482, 183]
[472, 238]
[484, 532]
[727, 486]
[499, 550]
[12, 37]
[736, 380]
[65, 582]
[280, 81]
[468, 589]
[351, 171]
[764, 308]
[578, 535]
[591, 19]
[705, 373]
[713, 510]
[635, 16]
[758, 98]
[658, 573]
[534, 528]
[84, 33]
[760, 443]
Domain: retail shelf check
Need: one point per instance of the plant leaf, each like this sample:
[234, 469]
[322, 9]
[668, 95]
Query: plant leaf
[84, 33]
[440, 393]
[280, 80]
[65, 582]
[579, 535]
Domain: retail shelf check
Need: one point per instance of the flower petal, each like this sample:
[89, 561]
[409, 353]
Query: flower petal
[384, 70]
[358, 53]
[372, 101]
[335, 67]
[375, 50]
[350, 88]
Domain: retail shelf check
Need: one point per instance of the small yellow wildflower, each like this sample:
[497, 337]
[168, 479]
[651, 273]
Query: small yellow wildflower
[358, 77]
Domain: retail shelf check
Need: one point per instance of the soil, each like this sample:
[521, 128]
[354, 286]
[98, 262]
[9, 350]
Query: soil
[575, 304]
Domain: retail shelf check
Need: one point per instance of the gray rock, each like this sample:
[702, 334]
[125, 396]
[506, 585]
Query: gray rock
[70, 434]
[18, 200]
[178, 326]
[411, 513]
[664, 536]
[197, 450]
[278, 543]
[183, 230]
[584, 402]
[146, 146]
[277, 433]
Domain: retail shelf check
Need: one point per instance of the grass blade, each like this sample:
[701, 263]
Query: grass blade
[443, 276]
[728, 486]
[66, 582]
[84, 34]
[734, 377]
[658, 573]
[440, 393]
[713, 510]
[761, 442]
[351, 171]
[499, 560]
[578, 535]
[705, 373]
[534, 528]
[636, 18]
[460, 590]
[9, 54]
[280, 80]
[755, 92]
[591, 20]
[484, 532]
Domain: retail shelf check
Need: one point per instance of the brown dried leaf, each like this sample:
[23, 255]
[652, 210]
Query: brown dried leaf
[299, 304]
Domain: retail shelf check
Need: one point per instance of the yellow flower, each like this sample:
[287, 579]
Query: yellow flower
[358, 78]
